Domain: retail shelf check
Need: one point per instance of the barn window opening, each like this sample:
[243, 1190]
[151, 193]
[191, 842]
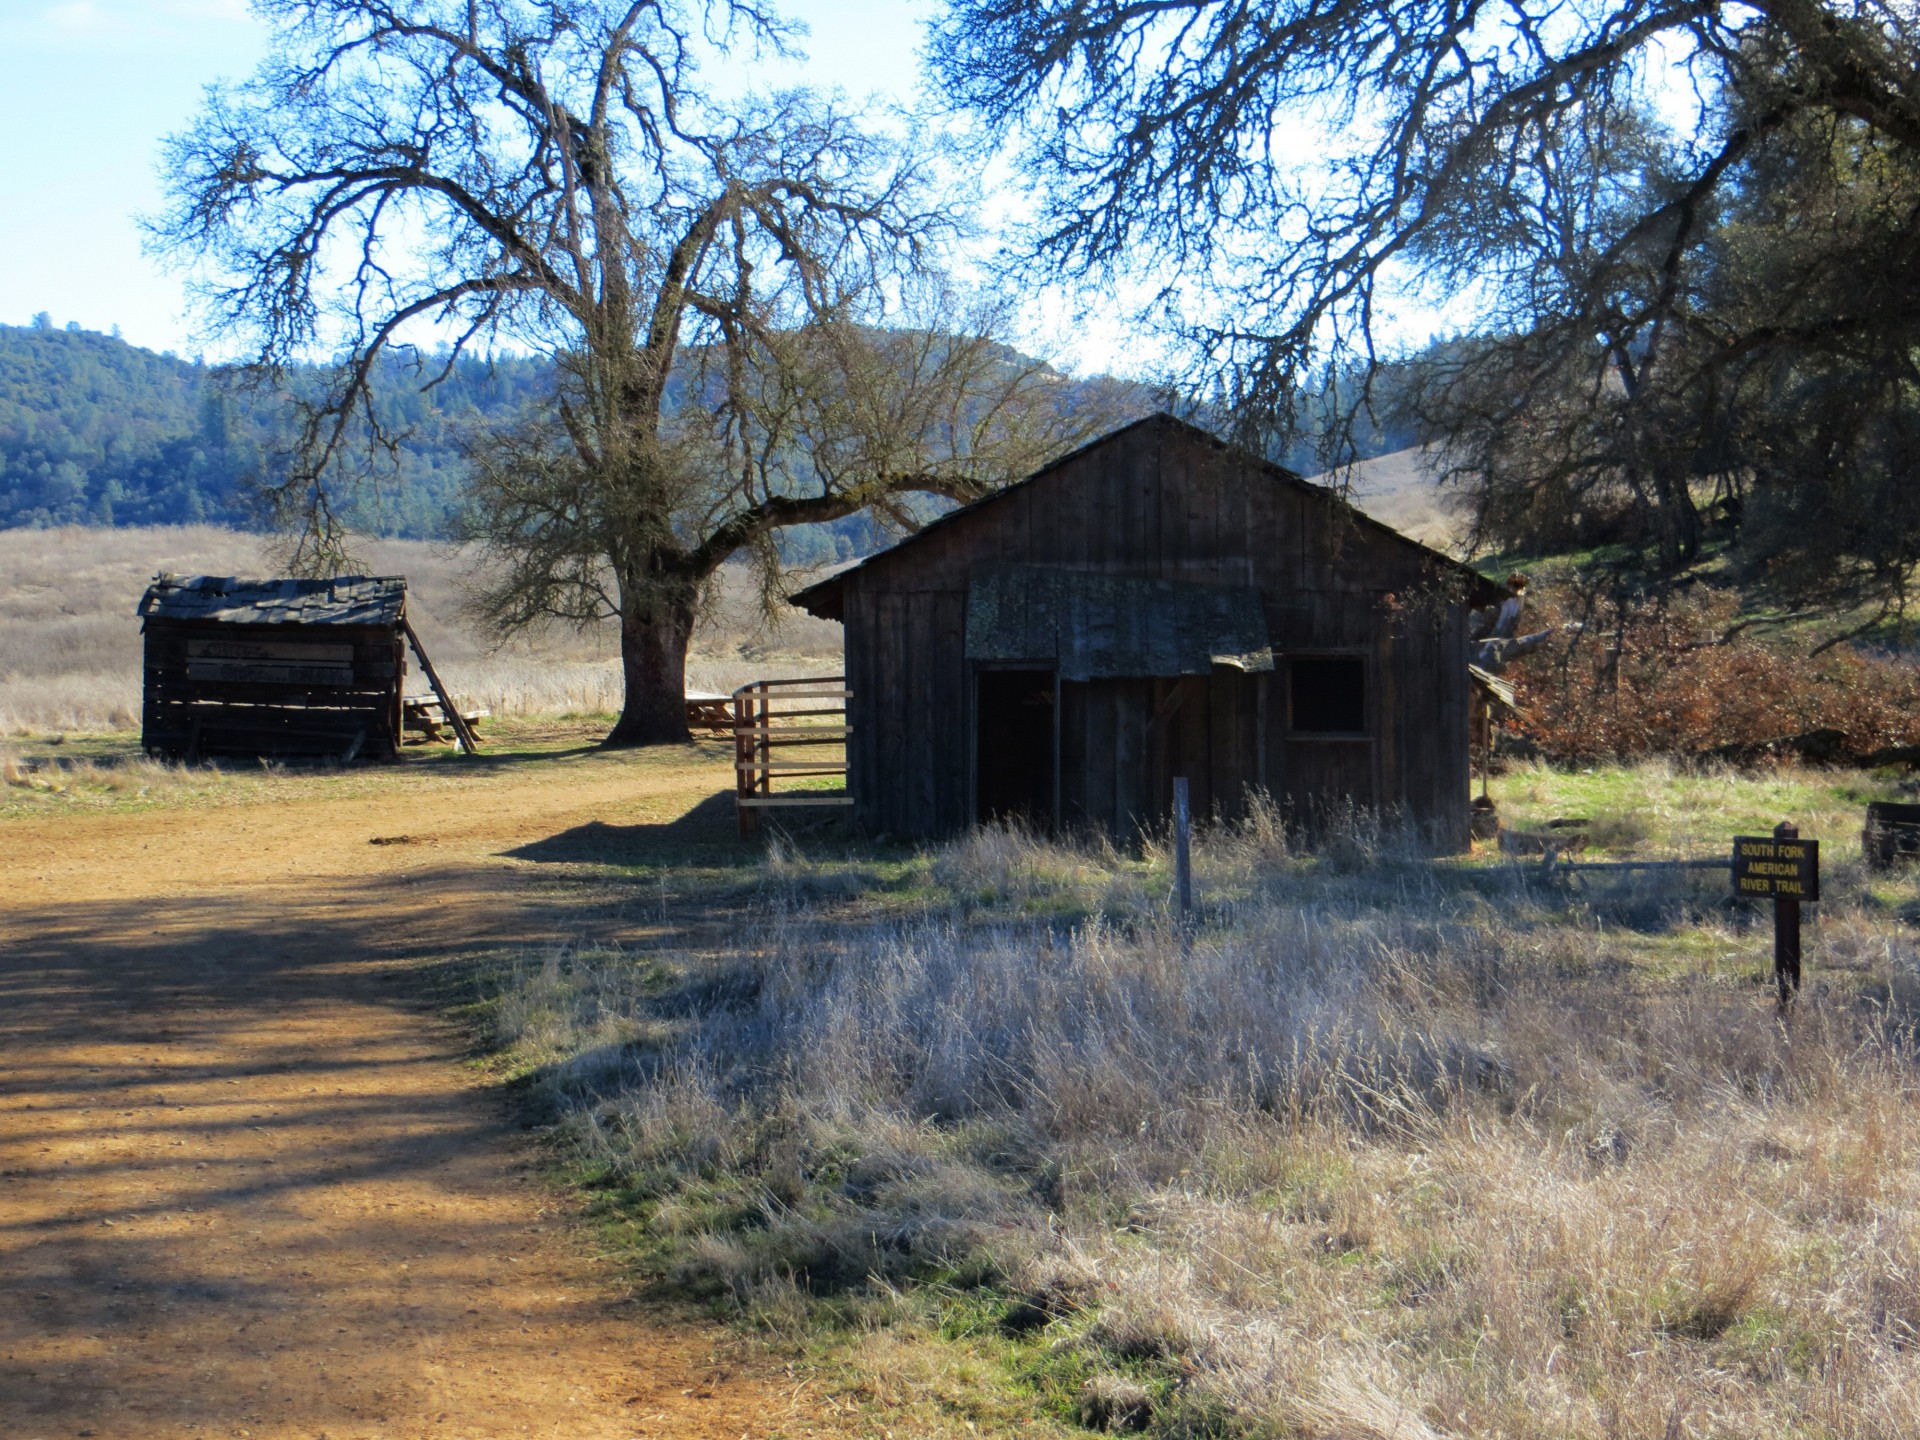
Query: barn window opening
[1014, 722]
[1327, 694]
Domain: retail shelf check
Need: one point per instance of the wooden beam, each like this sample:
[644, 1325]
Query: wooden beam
[760, 802]
[455, 720]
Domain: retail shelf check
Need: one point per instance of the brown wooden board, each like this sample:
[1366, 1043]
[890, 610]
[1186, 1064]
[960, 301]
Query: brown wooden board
[262, 672]
[1074, 813]
[1103, 806]
[947, 760]
[301, 652]
[235, 693]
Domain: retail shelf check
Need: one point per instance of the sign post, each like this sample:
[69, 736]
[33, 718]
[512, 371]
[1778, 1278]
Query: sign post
[1787, 869]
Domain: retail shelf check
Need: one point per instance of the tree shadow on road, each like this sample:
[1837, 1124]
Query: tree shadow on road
[231, 1138]
[706, 835]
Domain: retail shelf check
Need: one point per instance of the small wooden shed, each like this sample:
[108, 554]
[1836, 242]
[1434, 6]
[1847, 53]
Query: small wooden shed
[1155, 604]
[274, 667]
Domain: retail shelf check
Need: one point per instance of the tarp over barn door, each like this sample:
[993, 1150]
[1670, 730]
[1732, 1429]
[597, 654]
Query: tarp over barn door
[1093, 626]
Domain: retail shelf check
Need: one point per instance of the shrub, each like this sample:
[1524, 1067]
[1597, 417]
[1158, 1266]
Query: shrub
[1664, 680]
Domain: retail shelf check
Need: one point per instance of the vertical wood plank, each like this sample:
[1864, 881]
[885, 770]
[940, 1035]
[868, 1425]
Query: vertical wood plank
[862, 706]
[1103, 805]
[1162, 748]
[1140, 518]
[891, 649]
[1453, 768]
[1133, 699]
[1231, 522]
[1106, 488]
[1067, 540]
[1230, 742]
[1383, 704]
[1074, 812]
[950, 731]
[923, 725]
[1193, 758]
[1177, 489]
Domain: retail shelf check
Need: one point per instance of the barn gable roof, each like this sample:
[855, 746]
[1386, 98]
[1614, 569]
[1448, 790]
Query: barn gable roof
[345, 600]
[824, 597]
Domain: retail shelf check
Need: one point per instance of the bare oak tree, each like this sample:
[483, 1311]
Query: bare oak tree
[551, 174]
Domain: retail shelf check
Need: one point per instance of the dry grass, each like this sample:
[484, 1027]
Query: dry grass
[70, 645]
[1393, 1148]
[122, 779]
[1399, 489]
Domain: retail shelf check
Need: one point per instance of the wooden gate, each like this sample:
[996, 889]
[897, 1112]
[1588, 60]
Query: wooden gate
[775, 717]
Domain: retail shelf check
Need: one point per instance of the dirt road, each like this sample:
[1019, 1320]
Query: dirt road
[247, 1188]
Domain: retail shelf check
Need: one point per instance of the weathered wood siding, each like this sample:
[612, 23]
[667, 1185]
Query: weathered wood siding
[1159, 501]
[216, 688]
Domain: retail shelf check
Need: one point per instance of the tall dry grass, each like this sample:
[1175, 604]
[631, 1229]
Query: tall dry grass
[130, 779]
[70, 644]
[1390, 1148]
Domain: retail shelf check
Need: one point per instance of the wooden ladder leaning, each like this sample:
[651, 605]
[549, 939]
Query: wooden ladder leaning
[761, 733]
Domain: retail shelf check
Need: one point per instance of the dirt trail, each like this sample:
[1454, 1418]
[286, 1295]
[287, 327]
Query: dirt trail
[245, 1187]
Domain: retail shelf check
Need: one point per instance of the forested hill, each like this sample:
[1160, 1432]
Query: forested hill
[94, 431]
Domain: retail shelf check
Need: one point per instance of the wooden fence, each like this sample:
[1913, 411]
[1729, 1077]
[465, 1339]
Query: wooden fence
[772, 718]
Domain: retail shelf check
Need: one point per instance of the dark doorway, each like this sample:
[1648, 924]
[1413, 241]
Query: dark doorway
[1013, 720]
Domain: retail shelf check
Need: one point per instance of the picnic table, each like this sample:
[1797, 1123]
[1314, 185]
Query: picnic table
[707, 711]
[426, 717]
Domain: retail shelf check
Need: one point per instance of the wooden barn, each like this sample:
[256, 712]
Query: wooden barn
[1155, 604]
[274, 667]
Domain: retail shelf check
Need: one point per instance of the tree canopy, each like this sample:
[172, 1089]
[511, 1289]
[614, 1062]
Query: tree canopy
[1685, 230]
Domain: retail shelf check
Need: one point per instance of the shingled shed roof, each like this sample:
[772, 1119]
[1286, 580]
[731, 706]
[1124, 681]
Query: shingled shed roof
[1098, 627]
[346, 600]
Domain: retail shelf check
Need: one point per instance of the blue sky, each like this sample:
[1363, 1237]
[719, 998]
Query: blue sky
[89, 87]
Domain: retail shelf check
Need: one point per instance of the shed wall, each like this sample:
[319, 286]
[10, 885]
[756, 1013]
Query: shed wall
[215, 688]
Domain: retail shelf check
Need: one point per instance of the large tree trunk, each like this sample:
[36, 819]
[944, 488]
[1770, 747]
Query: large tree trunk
[656, 625]
[1679, 521]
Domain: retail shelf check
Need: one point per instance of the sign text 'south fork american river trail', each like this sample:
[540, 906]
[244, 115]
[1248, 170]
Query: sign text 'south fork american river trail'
[1766, 867]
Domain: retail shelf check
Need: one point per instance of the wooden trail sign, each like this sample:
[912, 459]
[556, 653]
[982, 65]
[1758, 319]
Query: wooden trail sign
[1786, 868]
[1773, 867]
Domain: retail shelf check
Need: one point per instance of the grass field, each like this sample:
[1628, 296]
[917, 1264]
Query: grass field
[1389, 1147]
[70, 644]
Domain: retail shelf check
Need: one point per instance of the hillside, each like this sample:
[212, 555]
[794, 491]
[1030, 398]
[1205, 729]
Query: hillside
[94, 431]
[97, 432]
[1399, 489]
